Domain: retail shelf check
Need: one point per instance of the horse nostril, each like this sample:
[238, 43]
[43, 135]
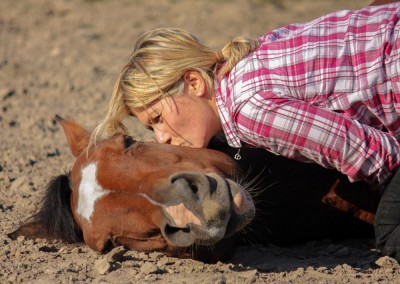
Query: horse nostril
[193, 186]
[192, 181]
[187, 183]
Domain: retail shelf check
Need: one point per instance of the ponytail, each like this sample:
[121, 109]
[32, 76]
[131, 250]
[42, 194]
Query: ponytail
[234, 51]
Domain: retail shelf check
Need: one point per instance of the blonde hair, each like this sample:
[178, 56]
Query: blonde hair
[156, 67]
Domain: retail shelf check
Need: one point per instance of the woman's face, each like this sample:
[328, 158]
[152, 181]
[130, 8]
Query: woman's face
[189, 119]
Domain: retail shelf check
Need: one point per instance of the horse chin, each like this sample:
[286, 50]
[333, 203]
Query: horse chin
[193, 235]
[181, 237]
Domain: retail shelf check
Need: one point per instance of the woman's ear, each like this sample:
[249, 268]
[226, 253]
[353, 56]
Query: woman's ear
[194, 83]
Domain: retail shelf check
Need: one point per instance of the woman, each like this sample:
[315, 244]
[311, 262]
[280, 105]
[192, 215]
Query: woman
[325, 91]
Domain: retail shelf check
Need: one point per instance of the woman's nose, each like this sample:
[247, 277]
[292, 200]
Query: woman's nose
[162, 137]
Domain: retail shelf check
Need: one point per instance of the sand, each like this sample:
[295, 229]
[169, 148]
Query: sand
[62, 57]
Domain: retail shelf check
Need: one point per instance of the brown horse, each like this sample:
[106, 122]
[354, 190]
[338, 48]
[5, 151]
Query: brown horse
[178, 200]
[144, 196]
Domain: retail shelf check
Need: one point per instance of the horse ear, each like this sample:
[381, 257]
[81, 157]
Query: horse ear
[77, 137]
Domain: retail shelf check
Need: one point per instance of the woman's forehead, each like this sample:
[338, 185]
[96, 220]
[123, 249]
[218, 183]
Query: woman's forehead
[144, 113]
[155, 108]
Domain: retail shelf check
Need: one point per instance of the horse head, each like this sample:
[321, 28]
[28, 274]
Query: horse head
[142, 195]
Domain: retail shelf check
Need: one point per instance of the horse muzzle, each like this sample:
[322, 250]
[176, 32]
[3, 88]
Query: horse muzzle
[204, 209]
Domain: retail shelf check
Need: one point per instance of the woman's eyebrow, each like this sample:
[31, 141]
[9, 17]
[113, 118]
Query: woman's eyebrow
[149, 111]
[148, 123]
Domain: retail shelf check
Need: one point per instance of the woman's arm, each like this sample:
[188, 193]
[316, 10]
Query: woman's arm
[302, 131]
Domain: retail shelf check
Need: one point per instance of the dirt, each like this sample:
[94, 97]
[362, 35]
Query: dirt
[62, 57]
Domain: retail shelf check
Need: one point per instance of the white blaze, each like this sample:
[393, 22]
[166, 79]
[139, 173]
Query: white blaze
[89, 192]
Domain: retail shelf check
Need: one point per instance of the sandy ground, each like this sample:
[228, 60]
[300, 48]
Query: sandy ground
[62, 57]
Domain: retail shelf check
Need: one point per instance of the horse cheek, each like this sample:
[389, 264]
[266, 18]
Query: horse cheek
[96, 238]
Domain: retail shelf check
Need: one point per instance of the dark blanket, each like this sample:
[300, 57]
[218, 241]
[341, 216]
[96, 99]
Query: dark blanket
[299, 202]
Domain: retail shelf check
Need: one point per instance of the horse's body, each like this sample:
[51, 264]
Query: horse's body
[178, 200]
[303, 201]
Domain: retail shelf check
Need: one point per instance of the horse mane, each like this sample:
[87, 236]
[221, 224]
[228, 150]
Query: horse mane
[55, 214]
[54, 220]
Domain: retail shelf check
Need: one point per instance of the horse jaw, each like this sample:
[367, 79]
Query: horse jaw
[77, 137]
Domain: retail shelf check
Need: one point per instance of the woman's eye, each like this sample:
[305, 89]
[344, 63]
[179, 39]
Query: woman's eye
[156, 119]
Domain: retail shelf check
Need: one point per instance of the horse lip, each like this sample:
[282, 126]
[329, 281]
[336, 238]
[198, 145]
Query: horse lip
[243, 210]
[181, 237]
[204, 235]
[242, 202]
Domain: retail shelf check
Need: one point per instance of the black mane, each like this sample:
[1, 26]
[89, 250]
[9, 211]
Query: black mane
[54, 220]
[55, 213]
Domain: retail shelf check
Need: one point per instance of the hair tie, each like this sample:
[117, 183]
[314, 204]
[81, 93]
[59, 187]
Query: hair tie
[220, 55]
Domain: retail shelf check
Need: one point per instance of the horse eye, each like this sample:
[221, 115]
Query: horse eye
[128, 141]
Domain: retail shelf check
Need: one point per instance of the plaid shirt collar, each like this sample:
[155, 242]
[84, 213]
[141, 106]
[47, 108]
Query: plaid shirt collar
[222, 98]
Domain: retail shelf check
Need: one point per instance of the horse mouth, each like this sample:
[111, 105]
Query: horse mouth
[181, 236]
[217, 215]
[192, 234]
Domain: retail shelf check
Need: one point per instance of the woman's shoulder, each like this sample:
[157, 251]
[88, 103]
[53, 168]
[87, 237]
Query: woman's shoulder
[340, 18]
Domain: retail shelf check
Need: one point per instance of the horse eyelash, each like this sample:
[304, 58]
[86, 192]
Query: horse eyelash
[128, 141]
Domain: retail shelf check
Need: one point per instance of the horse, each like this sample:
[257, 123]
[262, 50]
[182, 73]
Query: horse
[298, 202]
[193, 203]
[144, 196]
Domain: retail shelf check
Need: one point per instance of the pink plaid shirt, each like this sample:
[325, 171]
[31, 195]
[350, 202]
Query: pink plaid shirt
[324, 91]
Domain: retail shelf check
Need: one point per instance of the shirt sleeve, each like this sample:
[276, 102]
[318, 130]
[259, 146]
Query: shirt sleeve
[305, 132]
